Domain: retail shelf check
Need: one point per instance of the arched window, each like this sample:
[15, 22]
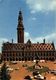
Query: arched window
[22, 53]
[16, 54]
[52, 54]
[10, 54]
[7, 54]
[41, 53]
[19, 59]
[7, 59]
[11, 59]
[16, 59]
[35, 54]
[4, 59]
[44, 54]
[19, 54]
[47, 54]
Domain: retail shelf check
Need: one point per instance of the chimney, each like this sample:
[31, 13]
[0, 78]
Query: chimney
[37, 42]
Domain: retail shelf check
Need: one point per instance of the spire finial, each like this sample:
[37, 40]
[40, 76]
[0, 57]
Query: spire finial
[20, 16]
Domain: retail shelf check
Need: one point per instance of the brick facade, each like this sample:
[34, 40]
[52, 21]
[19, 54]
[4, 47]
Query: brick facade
[26, 51]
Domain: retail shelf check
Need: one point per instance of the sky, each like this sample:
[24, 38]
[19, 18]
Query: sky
[39, 19]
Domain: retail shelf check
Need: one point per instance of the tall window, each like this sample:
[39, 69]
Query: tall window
[22, 53]
[16, 54]
[10, 54]
[52, 54]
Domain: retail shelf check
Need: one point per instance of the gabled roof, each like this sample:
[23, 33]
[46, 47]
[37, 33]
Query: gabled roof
[32, 47]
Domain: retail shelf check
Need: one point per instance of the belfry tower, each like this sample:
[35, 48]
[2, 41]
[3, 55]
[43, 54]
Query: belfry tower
[20, 29]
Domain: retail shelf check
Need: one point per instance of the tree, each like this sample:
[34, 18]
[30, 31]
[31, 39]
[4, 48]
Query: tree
[4, 74]
[27, 77]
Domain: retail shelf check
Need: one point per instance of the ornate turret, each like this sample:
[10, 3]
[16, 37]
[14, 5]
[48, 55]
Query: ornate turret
[20, 29]
[53, 45]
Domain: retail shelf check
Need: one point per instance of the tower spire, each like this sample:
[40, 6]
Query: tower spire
[20, 19]
[20, 28]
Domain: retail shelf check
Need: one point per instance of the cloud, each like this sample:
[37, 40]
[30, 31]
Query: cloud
[49, 38]
[33, 18]
[1, 42]
[41, 5]
[1, 1]
[26, 36]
